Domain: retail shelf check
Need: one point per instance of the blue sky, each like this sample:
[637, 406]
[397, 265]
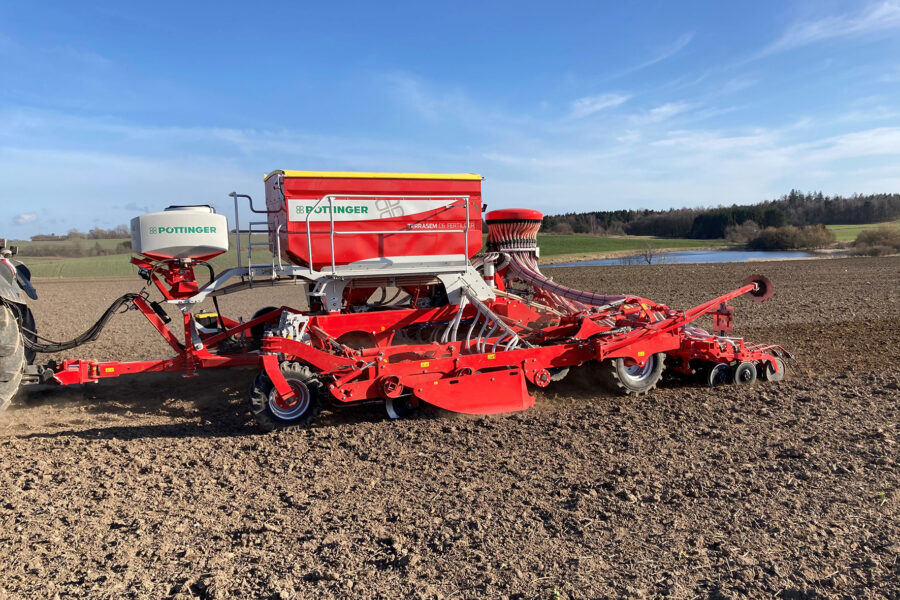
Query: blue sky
[111, 109]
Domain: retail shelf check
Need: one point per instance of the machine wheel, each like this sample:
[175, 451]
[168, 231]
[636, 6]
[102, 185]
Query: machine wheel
[718, 374]
[402, 407]
[769, 374]
[301, 410]
[257, 331]
[27, 327]
[12, 357]
[633, 379]
[745, 373]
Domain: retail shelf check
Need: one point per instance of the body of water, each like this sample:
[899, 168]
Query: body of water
[693, 256]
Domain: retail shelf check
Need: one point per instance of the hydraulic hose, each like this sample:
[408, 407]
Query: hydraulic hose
[91, 334]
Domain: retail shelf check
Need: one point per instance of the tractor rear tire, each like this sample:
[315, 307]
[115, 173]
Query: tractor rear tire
[301, 410]
[634, 379]
[27, 328]
[12, 357]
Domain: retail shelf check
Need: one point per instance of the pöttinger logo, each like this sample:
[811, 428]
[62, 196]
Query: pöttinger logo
[389, 208]
[152, 230]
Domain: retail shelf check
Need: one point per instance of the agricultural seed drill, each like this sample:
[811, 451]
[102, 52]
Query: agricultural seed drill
[403, 306]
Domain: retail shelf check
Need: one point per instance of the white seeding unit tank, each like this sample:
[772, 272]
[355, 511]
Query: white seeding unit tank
[195, 232]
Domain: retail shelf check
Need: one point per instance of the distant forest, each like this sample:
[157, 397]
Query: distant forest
[795, 208]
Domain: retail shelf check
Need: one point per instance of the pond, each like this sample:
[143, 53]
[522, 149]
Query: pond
[693, 256]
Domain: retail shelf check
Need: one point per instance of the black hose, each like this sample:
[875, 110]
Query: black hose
[92, 333]
[215, 299]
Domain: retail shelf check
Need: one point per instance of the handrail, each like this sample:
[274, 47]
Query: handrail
[330, 198]
[308, 236]
[265, 211]
[375, 197]
[237, 222]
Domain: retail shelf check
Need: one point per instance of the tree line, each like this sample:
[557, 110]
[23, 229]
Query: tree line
[795, 209]
[96, 233]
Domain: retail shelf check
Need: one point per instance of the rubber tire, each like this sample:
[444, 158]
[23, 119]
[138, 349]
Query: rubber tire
[744, 374]
[614, 375]
[257, 331]
[12, 357]
[26, 321]
[768, 374]
[293, 372]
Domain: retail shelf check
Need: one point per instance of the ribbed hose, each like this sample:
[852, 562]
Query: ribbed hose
[538, 280]
[513, 233]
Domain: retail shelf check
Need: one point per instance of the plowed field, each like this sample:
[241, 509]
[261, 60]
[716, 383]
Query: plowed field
[158, 486]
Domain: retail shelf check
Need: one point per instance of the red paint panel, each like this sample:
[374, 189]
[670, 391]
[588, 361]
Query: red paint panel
[442, 228]
[478, 394]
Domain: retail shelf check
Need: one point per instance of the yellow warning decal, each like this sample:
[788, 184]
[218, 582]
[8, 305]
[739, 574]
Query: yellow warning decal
[641, 353]
[492, 356]
[109, 370]
[424, 364]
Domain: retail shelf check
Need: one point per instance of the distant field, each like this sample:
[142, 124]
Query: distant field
[29, 247]
[115, 265]
[118, 264]
[552, 244]
[848, 233]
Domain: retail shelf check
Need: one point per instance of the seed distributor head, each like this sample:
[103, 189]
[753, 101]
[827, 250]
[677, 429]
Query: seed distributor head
[513, 229]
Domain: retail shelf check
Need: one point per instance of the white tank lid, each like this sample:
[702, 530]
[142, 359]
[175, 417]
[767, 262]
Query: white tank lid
[204, 208]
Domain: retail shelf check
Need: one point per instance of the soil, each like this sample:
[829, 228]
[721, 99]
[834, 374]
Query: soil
[157, 486]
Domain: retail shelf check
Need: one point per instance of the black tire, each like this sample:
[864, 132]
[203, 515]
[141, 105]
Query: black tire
[257, 331]
[745, 373]
[12, 357]
[304, 408]
[27, 328]
[768, 373]
[633, 380]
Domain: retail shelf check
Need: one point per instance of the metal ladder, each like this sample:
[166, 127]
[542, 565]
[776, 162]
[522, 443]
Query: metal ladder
[257, 228]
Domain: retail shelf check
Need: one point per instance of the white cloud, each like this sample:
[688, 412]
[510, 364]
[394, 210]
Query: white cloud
[877, 17]
[662, 112]
[669, 51]
[25, 218]
[589, 105]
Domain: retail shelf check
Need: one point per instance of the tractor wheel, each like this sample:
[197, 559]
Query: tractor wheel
[299, 411]
[27, 327]
[633, 379]
[745, 373]
[718, 374]
[769, 374]
[12, 357]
